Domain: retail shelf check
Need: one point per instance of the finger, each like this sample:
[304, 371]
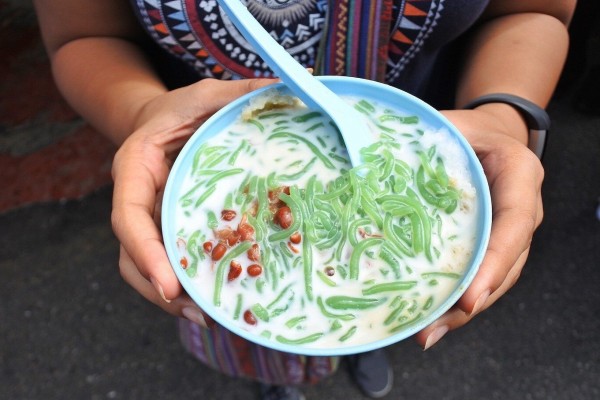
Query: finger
[174, 116]
[181, 306]
[222, 93]
[456, 317]
[138, 177]
[516, 214]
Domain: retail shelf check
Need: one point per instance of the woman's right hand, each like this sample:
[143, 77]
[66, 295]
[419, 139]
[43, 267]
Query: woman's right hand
[140, 170]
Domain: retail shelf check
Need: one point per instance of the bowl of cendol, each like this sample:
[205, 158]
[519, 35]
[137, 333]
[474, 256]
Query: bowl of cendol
[277, 237]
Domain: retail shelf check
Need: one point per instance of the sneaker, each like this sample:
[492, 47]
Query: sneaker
[276, 392]
[372, 373]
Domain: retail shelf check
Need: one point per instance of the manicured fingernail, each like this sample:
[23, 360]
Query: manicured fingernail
[480, 302]
[194, 315]
[159, 289]
[435, 336]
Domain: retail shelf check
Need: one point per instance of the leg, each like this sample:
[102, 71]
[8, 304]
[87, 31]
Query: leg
[279, 373]
[372, 373]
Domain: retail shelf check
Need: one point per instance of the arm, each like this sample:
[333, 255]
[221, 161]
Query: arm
[104, 74]
[518, 47]
[97, 63]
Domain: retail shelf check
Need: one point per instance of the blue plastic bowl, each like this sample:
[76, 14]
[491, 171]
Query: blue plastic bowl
[382, 94]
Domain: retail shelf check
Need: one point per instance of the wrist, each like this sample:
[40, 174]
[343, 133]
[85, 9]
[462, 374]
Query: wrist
[506, 118]
[514, 113]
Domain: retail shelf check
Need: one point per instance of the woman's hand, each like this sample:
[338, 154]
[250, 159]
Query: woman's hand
[140, 170]
[515, 177]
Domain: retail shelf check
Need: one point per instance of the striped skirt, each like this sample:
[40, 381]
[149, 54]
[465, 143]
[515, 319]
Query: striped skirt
[234, 356]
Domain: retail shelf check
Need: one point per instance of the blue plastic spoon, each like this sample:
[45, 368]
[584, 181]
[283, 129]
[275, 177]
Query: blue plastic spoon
[312, 92]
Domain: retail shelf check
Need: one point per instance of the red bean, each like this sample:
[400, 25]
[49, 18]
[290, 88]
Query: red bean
[228, 215]
[254, 270]
[293, 248]
[218, 251]
[249, 317]
[235, 269]
[296, 238]
[246, 232]
[207, 246]
[254, 253]
[274, 194]
[223, 234]
[284, 217]
[233, 239]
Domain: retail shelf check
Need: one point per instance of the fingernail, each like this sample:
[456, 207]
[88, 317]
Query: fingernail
[159, 289]
[194, 315]
[435, 336]
[480, 302]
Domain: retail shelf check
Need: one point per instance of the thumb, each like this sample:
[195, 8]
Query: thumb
[214, 94]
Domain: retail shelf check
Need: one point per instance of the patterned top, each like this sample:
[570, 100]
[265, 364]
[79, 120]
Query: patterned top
[396, 41]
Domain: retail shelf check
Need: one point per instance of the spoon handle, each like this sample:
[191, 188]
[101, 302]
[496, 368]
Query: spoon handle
[285, 67]
[303, 84]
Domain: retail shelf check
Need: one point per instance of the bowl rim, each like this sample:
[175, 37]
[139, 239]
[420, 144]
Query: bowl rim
[338, 84]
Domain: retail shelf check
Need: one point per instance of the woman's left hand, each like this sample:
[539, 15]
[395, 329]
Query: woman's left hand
[515, 178]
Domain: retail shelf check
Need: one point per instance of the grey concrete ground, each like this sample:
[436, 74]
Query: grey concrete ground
[71, 329]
